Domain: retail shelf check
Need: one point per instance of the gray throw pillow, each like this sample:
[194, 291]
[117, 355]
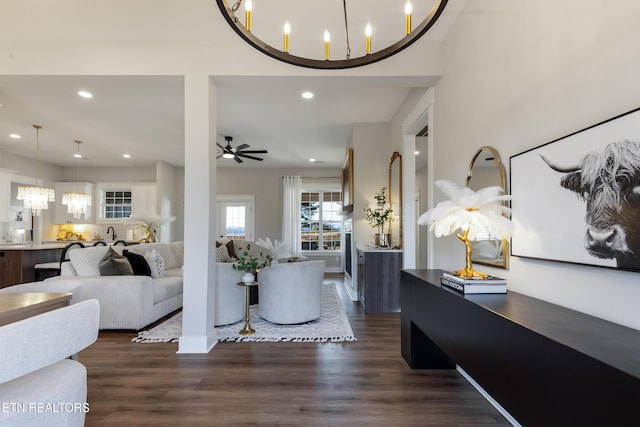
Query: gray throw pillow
[114, 264]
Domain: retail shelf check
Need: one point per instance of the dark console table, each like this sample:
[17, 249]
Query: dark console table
[545, 364]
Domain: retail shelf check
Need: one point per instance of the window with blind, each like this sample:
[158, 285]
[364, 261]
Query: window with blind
[321, 223]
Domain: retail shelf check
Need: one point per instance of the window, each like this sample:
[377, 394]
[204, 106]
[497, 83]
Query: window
[117, 204]
[321, 222]
[235, 216]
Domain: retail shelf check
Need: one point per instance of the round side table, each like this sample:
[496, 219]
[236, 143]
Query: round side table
[247, 330]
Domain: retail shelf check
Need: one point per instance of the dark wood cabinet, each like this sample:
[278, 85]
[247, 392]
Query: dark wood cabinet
[17, 264]
[379, 280]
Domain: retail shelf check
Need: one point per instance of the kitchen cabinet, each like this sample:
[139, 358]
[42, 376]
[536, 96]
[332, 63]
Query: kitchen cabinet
[5, 195]
[60, 214]
[379, 279]
[143, 198]
[17, 261]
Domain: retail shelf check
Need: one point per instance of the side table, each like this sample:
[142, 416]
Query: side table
[247, 330]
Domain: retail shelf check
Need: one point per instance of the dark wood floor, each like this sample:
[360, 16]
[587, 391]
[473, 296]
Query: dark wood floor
[297, 384]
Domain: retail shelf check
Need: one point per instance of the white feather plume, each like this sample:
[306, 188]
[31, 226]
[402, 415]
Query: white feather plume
[482, 212]
[277, 248]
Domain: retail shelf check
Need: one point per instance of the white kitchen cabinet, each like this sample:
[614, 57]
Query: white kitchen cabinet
[143, 198]
[5, 195]
[60, 214]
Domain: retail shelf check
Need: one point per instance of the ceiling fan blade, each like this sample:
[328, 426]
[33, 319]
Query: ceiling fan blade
[242, 147]
[237, 159]
[219, 156]
[255, 151]
[248, 157]
[220, 145]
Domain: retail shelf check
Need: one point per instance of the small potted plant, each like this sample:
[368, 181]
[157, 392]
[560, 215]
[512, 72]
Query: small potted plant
[378, 216]
[249, 263]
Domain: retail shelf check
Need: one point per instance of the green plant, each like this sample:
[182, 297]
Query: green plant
[249, 262]
[380, 215]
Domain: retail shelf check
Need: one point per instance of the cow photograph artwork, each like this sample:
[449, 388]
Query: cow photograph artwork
[577, 199]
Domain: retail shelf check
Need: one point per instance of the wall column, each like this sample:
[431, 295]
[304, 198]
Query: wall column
[198, 334]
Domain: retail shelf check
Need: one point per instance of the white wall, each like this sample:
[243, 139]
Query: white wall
[519, 74]
[266, 185]
[371, 154]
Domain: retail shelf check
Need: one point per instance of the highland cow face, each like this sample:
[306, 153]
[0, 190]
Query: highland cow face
[608, 181]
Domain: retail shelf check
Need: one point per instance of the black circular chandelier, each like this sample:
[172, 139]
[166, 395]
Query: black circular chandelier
[397, 22]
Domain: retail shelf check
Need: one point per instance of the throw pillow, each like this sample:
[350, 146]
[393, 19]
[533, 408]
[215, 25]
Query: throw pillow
[156, 263]
[114, 264]
[222, 255]
[138, 263]
[230, 248]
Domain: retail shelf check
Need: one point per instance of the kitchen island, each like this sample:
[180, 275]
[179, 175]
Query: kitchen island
[17, 261]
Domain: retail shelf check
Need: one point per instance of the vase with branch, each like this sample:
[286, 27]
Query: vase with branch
[249, 263]
[380, 215]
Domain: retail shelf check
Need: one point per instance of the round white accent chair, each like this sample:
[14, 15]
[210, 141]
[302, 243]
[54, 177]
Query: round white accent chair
[289, 293]
[229, 297]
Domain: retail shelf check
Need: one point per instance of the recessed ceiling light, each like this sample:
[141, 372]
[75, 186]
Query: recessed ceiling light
[312, 160]
[416, 152]
[126, 156]
[14, 136]
[85, 94]
[77, 155]
[307, 95]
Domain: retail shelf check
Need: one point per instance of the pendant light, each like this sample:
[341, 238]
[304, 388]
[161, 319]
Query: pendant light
[35, 197]
[77, 203]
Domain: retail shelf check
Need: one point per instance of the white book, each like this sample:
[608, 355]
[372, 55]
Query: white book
[491, 280]
[494, 288]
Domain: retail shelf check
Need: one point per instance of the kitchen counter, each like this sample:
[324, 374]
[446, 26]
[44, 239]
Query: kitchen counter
[31, 247]
[17, 261]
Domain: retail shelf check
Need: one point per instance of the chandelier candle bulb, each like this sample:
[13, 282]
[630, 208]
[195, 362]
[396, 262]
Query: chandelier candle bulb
[287, 30]
[367, 33]
[327, 41]
[248, 6]
[407, 11]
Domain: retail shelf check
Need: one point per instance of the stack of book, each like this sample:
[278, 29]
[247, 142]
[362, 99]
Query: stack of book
[490, 285]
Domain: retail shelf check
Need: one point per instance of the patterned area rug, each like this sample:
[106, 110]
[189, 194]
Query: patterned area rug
[332, 326]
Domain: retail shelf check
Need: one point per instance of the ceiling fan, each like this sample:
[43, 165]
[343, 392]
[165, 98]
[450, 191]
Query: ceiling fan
[236, 153]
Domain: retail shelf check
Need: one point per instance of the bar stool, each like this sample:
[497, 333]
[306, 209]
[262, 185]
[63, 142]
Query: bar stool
[55, 266]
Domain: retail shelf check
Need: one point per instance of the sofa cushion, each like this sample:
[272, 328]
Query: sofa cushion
[85, 261]
[156, 263]
[166, 287]
[114, 264]
[222, 254]
[177, 249]
[161, 248]
[230, 247]
[138, 263]
[174, 272]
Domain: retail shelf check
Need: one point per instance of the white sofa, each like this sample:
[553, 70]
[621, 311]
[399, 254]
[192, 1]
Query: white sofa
[126, 302]
[133, 302]
[39, 384]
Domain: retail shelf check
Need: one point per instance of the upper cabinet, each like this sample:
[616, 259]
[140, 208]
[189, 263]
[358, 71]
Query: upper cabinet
[143, 198]
[60, 214]
[5, 195]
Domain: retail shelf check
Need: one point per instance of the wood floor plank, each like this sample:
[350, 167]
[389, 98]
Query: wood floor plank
[296, 384]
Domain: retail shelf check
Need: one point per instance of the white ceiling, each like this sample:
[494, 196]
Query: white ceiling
[144, 115]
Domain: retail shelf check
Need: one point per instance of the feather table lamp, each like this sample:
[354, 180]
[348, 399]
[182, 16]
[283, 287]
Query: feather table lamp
[469, 214]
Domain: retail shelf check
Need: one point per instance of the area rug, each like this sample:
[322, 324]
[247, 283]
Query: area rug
[332, 326]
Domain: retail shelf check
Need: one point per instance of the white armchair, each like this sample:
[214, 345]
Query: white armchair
[290, 292]
[39, 384]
